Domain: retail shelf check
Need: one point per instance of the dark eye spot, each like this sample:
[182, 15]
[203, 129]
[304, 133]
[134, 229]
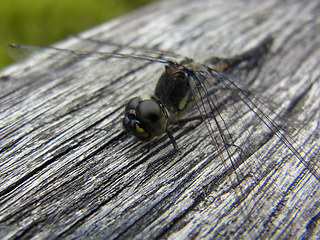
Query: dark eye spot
[153, 117]
[149, 110]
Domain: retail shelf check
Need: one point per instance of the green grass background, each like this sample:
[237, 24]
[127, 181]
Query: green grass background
[43, 22]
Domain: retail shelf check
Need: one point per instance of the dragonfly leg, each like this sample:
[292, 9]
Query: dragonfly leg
[173, 141]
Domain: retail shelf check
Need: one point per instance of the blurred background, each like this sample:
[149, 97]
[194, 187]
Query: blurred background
[43, 22]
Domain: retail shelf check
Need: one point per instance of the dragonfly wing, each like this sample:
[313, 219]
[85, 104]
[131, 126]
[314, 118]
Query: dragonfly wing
[21, 51]
[227, 102]
[142, 50]
[210, 104]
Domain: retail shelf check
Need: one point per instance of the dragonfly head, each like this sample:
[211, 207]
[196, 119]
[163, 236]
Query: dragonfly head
[145, 119]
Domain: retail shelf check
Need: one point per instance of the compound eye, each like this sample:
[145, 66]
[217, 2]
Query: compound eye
[152, 117]
[149, 111]
[133, 103]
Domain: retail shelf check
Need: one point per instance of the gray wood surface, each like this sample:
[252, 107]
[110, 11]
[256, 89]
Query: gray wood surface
[68, 171]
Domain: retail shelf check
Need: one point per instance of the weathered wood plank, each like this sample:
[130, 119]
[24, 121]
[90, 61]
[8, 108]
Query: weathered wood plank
[62, 177]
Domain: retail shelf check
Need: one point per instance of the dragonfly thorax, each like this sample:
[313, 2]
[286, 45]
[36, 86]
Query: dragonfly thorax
[173, 88]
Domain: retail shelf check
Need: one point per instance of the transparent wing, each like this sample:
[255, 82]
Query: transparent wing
[241, 122]
[142, 50]
[211, 106]
[21, 51]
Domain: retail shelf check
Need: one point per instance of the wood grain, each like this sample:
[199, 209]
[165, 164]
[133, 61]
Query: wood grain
[68, 170]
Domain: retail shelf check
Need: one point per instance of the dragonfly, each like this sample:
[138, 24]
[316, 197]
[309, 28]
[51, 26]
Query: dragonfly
[186, 84]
